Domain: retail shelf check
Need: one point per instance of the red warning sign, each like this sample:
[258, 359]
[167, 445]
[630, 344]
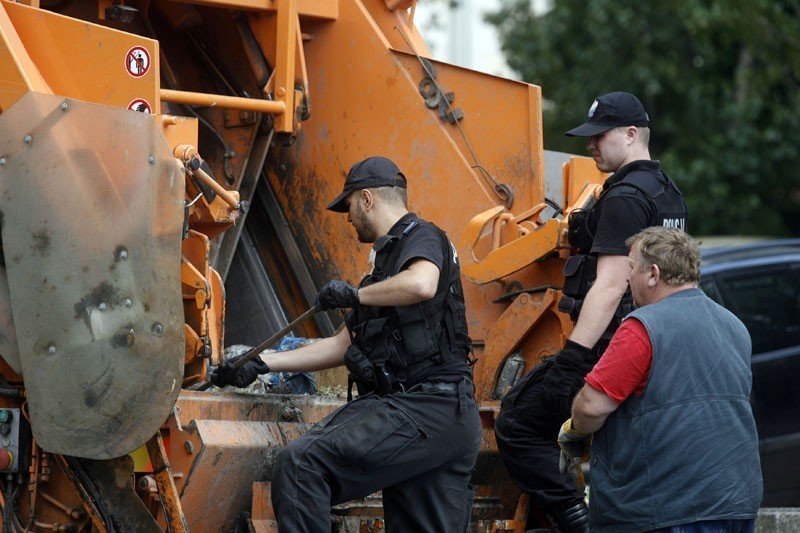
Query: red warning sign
[141, 105]
[137, 61]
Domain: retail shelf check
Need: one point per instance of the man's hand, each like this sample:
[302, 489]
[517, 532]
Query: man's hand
[337, 294]
[575, 447]
[226, 374]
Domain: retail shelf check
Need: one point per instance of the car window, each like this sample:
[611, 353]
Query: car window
[711, 290]
[767, 301]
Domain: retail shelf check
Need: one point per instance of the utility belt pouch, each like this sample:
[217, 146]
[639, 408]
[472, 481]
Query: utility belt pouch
[579, 273]
[361, 369]
[416, 335]
[578, 233]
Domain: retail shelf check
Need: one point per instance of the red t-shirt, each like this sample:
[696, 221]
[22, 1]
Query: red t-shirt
[625, 365]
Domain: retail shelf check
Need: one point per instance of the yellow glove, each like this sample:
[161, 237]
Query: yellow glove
[574, 446]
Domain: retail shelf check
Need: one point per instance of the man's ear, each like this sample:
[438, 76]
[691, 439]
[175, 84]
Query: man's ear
[369, 200]
[655, 275]
[632, 133]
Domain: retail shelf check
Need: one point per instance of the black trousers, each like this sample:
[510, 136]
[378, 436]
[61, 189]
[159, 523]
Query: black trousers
[418, 446]
[531, 415]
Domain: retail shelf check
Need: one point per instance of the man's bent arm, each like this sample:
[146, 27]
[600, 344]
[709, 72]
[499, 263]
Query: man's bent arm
[590, 410]
[319, 355]
[602, 299]
[416, 283]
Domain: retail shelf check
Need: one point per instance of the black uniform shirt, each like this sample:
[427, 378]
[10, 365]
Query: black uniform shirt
[423, 242]
[623, 211]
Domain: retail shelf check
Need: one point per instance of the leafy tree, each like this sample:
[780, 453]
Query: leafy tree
[718, 77]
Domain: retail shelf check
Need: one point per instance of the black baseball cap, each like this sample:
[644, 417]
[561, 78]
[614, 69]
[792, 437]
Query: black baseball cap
[610, 111]
[370, 173]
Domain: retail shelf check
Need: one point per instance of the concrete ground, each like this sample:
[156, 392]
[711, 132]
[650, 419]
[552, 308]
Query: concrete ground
[778, 520]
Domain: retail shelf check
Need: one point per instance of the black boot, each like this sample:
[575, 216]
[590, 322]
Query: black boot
[573, 519]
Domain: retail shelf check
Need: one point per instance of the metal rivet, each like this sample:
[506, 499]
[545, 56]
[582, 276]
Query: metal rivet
[128, 302]
[64, 106]
[123, 254]
[151, 160]
[3, 161]
[157, 328]
[51, 349]
[102, 306]
[189, 446]
[27, 139]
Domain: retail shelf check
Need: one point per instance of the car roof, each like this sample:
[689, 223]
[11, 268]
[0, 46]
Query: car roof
[751, 254]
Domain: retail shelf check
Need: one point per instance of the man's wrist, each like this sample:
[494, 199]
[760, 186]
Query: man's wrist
[577, 347]
[574, 430]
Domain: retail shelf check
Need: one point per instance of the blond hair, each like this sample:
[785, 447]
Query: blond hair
[674, 251]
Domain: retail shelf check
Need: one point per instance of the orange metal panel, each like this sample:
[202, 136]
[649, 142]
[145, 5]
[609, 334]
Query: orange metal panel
[321, 9]
[162, 471]
[17, 70]
[263, 515]
[90, 62]
[231, 456]
[370, 105]
[284, 63]
[514, 325]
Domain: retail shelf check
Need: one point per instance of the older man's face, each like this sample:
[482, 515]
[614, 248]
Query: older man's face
[638, 278]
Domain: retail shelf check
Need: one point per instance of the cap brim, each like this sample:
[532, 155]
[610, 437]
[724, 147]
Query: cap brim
[588, 130]
[339, 204]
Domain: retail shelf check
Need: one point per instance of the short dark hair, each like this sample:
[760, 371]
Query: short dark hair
[393, 195]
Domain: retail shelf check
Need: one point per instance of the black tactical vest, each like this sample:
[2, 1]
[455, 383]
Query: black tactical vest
[667, 208]
[402, 341]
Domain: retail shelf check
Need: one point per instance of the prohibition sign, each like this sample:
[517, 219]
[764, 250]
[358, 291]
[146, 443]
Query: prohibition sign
[141, 105]
[137, 61]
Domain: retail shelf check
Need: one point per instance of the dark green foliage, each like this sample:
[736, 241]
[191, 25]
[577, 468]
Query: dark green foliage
[718, 77]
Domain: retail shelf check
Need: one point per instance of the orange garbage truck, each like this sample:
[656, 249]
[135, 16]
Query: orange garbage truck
[164, 168]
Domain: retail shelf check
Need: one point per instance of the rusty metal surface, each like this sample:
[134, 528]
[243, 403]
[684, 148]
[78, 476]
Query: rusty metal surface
[91, 236]
[168, 493]
[231, 456]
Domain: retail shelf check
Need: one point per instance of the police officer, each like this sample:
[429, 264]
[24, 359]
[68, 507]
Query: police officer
[638, 194]
[413, 431]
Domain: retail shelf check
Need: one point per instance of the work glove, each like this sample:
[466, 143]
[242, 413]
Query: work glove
[574, 446]
[226, 374]
[337, 294]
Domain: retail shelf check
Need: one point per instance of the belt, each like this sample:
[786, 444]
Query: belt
[438, 386]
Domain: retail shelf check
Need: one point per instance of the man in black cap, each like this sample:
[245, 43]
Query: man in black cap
[414, 430]
[638, 194]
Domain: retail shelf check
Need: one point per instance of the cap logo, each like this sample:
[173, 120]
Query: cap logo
[593, 109]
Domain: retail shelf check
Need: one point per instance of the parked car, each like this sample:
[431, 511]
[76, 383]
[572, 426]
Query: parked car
[760, 283]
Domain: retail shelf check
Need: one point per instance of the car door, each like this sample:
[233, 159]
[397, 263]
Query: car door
[767, 299]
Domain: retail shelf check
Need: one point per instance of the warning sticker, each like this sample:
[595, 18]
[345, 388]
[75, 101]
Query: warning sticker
[141, 105]
[137, 61]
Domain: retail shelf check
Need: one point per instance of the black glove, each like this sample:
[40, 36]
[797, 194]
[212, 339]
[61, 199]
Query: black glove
[226, 374]
[565, 377]
[336, 294]
[575, 357]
